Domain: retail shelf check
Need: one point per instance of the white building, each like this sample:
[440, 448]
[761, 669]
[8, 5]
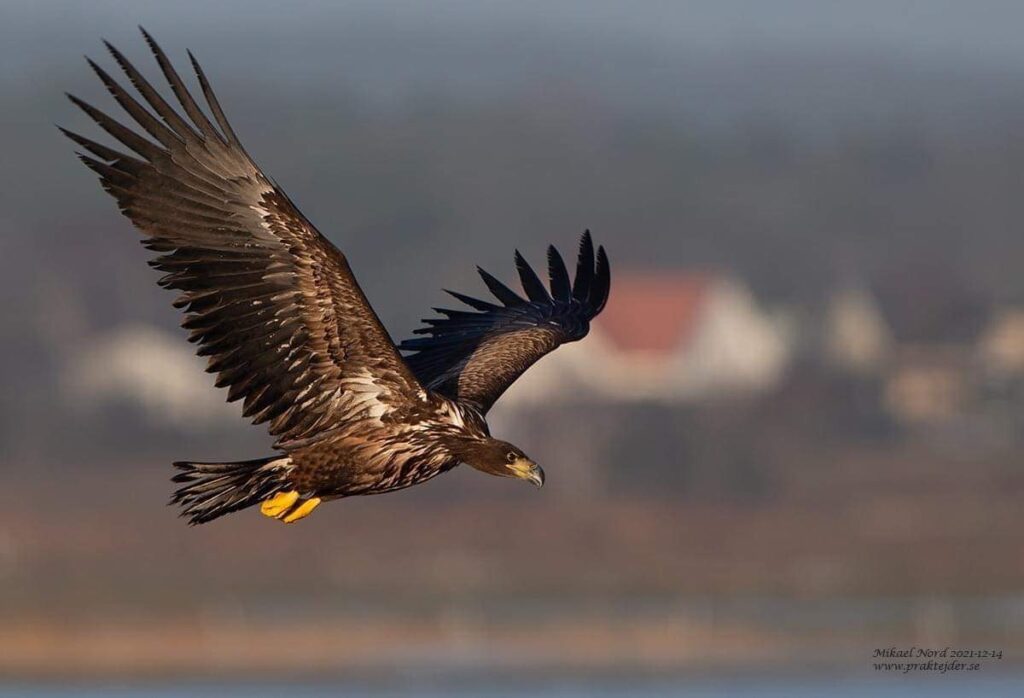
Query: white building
[1001, 346]
[856, 336]
[672, 337]
[155, 371]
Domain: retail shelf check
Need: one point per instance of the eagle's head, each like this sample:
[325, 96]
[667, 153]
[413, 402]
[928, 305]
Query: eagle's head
[500, 458]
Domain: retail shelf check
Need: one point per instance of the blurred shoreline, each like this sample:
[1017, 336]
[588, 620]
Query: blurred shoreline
[457, 646]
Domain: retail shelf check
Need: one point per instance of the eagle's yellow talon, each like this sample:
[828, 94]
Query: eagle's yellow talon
[301, 511]
[279, 504]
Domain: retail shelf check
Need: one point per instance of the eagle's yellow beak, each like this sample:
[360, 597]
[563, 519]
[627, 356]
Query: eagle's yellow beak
[526, 469]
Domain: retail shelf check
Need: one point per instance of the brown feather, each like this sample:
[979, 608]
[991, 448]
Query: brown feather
[269, 299]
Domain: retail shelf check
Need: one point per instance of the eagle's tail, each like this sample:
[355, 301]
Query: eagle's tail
[210, 490]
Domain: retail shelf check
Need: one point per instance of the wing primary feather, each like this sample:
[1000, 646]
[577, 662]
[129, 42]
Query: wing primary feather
[134, 109]
[602, 283]
[464, 315]
[103, 169]
[475, 303]
[560, 286]
[475, 356]
[211, 100]
[140, 145]
[173, 120]
[179, 89]
[254, 275]
[584, 269]
[532, 284]
[99, 150]
[503, 293]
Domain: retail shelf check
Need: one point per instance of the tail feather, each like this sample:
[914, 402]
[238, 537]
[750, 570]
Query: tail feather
[211, 490]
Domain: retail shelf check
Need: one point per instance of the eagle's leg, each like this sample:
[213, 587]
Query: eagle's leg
[289, 507]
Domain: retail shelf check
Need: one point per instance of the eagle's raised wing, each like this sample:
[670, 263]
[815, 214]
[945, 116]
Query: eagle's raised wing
[475, 356]
[270, 300]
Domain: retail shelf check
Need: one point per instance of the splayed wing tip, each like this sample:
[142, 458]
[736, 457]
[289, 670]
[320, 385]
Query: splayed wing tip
[558, 276]
[532, 285]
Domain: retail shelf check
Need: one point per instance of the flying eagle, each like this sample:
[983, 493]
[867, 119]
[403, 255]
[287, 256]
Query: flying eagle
[276, 308]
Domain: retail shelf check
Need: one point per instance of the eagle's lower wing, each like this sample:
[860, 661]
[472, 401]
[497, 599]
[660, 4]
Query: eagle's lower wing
[270, 300]
[475, 356]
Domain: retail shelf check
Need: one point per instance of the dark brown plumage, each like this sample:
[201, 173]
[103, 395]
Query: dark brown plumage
[276, 308]
[475, 357]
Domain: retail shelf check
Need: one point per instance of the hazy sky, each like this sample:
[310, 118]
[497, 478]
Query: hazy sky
[300, 79]
[788, 141]
[972, 31]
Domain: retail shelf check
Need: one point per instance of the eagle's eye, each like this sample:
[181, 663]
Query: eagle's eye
[511, 457]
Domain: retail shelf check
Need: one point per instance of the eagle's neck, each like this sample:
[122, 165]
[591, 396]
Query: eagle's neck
[466, 419]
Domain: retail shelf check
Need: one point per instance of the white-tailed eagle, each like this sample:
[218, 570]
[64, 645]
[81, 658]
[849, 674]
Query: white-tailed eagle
[276, 308]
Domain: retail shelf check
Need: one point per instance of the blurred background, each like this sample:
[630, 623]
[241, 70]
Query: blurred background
[794, 437]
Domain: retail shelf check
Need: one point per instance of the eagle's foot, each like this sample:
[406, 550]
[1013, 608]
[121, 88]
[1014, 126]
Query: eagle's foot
[288, 506]
[304, 509]
[279, 504]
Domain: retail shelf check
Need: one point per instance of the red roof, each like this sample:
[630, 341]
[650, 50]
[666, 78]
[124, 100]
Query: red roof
[652, 312]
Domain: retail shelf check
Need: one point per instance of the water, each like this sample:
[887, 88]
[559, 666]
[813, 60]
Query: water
[746, 687]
